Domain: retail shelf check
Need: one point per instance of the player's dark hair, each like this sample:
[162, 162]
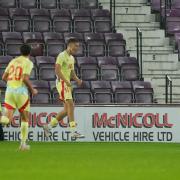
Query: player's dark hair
[25, 49]
[72, 40]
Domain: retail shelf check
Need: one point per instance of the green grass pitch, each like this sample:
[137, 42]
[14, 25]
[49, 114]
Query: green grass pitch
[89, 161]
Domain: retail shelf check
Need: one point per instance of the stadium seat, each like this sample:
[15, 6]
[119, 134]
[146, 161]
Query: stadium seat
[102, 92]
[109, 72]
[82, 21]
[8, 3]
[46, 68]
[88, 68]
[106, 60]
[90, 4]
[28, 4]
[82, 94]
[102, 20]
[123, 92]
[20, 20]
[49, 4]
[5, 23]
[62, 21]
[43, 96]
[54, 43]
[116, 45]
[129, 68]
[143, 92]
[69, 4]
[13, 42]
[35, 39]
[4, 60]
[41, 21]
[82, 47]
[95, 44]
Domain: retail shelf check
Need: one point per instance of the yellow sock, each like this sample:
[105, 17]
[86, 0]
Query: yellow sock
[24, 131]
[72, 125]
[4, 120]
[53, 122]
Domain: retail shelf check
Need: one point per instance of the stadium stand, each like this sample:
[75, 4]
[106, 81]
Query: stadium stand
[105, 61]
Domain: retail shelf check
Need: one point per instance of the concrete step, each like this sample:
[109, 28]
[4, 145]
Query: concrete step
[143, 25]
[149, 42]
[131, 18]
[162, 57]
[145, 33]
[158, 65]
[130, 2]
[122, 9]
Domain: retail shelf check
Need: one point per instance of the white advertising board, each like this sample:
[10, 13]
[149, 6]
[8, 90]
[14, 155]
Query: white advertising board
[105, 124]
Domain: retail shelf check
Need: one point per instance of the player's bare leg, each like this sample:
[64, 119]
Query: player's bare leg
[24, 131]
[54, 121]
[72, 123]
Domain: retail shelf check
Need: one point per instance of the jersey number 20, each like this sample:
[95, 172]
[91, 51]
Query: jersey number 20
[15, 73]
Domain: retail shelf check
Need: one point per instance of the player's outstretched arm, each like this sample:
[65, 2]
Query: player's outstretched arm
[28, 83]
[60, 74]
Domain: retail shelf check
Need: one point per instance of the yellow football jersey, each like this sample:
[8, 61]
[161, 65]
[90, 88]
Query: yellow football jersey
[67, 64]
[16, 69]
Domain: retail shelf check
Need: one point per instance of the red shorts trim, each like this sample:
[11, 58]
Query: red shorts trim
[8, 106]
[24, 106]
[62, 91]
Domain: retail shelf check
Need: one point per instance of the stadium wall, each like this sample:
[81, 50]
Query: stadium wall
[108, 123]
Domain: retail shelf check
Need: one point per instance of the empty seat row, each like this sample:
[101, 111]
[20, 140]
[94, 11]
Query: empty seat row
[50, 44]
[42, 20]
[96, 92]
[88, 68]
[49, 4]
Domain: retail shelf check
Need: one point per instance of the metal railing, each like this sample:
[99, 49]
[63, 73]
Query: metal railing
[113, 14]
[168, 89]
[139, 43]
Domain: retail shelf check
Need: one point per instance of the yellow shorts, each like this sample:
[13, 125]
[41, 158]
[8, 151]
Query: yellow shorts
[65, 92]
[17, 98]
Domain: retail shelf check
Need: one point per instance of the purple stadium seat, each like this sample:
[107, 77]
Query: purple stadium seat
[79, 36]
[129, 68]
[49, 4]
[82, 94]
[116, 44]
[5, 23]
[41, 20]
[54, 43]
[155, 5]
[82, 21]
[28, 4]
[35, 39]
[106, 60]
[62, 21]
[102, 92]
[8, 3]
[20, 19]
[173, 22]
[13, 42]
[123, 91]
[102, 20]
[95, 44]
[176, 4]
[109, 72]
[4, 60]
[90, 4]
[69, 4]
[143, 92]
[44, 96]
[88, 68]
[46, 67]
